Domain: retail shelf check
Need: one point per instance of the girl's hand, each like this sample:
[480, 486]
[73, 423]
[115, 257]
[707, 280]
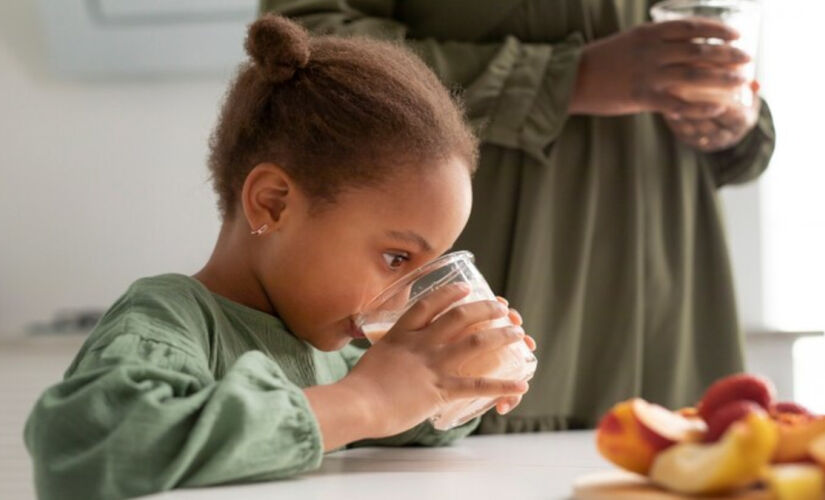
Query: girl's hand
[718, 133]
[631, 72]
[407, 376]
[504, 405]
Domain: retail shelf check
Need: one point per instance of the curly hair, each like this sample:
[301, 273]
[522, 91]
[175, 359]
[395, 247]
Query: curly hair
[332, 112]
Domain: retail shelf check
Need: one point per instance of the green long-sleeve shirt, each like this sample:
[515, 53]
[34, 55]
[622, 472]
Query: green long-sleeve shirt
[605, 232]
[179, 387]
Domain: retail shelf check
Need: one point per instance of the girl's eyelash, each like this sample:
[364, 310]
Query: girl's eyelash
[390, 259]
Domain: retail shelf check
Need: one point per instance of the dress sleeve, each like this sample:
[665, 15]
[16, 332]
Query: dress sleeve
[139, 414]
[515, 94]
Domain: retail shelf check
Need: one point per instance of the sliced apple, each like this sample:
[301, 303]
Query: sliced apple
[796, 482]
[733, 462]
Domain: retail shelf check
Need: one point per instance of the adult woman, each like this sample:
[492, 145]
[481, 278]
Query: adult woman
[596, 209]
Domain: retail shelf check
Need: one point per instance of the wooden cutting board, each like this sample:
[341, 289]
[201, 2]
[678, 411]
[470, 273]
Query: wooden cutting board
[620, 485]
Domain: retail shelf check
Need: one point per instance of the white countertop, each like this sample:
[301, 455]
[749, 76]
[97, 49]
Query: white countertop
[523, 466]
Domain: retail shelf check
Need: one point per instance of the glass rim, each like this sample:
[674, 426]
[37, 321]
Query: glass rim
[666, 6]
[410, 277]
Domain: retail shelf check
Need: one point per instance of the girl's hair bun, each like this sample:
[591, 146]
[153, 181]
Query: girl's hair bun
[278, 46]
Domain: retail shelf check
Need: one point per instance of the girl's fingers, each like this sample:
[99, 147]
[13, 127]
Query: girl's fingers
[504, 405]
[422, 312]
[473, 344]
[469, 387]
[459, 319]
[515, 317]
[531, 342]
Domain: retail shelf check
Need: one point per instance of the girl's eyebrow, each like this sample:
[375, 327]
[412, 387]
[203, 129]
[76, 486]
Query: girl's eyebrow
[412, 237]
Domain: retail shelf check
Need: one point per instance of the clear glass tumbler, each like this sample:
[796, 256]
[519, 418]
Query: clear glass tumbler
[512, 362]
[744, 17]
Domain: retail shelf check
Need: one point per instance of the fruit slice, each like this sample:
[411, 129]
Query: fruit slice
[734, 388]
[817, 450]
[796, 433]
[796, 482]
[789, 407]
[725, 416]
[634, 431]
[688, 412]
[664, 428]
[736, 460]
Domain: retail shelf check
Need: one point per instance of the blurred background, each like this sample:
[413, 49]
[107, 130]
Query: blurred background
[105, 112]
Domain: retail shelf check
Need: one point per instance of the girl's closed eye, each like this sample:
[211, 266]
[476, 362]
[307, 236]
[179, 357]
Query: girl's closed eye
[395, 260]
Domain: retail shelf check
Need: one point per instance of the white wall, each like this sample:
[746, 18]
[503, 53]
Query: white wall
[743, 221]
[100, 182]
[105, 181]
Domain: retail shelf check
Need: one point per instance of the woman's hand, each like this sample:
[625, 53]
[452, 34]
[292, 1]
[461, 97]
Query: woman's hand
[409, 375]
[720, 132]
[632, 71]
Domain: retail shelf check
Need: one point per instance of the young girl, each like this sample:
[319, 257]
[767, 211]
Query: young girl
[340, 165]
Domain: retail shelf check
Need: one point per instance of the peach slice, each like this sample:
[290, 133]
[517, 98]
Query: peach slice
[789, 407]
[735, 388]
[817, 450]
[796, 482]
[733, 462]
[796, 433]
[633, 432]
[726, 415]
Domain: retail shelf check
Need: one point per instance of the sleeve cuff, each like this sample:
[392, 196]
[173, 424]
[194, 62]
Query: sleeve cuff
[750, 157]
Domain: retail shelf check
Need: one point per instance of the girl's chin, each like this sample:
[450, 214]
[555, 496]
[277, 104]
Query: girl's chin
[331, 341]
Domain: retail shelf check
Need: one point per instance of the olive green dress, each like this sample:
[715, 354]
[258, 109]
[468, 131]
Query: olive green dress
[605, 232]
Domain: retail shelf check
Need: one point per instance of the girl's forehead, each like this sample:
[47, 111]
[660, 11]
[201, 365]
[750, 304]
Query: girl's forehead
[434, 205]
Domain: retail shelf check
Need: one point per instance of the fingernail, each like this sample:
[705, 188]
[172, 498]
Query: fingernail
[505, 408]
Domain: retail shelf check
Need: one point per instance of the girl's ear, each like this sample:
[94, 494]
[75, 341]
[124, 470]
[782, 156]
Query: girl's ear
[268, 197]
